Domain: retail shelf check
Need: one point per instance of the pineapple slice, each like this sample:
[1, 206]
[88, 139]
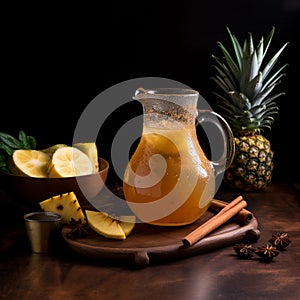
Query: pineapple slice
[109, 227]
[31, 163]
[127, 223]
[65, 205]
[68, 162]
[90, 149]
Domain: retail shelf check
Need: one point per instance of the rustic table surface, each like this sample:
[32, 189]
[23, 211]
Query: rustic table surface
[218, 274]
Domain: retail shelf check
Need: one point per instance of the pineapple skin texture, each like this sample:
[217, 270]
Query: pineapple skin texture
[252, 167]
[65, 205]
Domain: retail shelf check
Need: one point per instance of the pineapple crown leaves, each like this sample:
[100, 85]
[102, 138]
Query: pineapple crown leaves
[247, 82]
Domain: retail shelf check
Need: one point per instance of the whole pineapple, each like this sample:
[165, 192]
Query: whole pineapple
[246, 82]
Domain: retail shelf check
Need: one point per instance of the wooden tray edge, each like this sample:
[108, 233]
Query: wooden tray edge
[231, 233]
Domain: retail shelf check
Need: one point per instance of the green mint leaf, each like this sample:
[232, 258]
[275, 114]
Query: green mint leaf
[4, 169]
[28, 141]
[31, 141]
[3, 166]
[6, 148]
[2, 159]
[10, 141]
[23, 139]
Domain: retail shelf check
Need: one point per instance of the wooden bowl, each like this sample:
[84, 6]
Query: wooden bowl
[29, 191]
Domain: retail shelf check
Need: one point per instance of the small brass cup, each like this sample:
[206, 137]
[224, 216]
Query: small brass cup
[41, 227]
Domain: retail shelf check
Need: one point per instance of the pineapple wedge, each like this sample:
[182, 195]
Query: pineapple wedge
[90, 149]
[127, 223]
[109, 227]
[65, 205]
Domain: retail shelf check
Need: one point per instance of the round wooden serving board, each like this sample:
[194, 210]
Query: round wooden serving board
[158, 244]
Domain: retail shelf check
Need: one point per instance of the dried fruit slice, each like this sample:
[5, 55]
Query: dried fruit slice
[66, 205]
[29, 162]
[109, 227]
[90, 149]
[68, 162]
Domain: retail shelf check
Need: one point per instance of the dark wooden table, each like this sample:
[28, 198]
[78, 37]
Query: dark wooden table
[62, 274]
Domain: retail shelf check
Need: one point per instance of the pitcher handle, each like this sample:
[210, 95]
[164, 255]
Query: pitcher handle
[226, 158]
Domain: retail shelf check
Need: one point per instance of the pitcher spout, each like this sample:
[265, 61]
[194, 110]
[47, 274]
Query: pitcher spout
[140, 93]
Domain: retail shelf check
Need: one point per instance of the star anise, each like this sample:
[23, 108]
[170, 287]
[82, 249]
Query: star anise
[280, 240]
[267, 252]
[244, 251]
[79, 228]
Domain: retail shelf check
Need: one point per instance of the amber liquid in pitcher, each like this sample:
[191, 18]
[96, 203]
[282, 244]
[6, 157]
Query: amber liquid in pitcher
[187, 169]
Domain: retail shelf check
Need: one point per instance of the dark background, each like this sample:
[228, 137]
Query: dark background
[56, 59]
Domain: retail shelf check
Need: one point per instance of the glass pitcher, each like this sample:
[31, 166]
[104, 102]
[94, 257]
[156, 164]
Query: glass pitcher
[169, 181]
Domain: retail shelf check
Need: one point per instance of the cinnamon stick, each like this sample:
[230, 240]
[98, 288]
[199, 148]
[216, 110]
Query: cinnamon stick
[243, 216]
[219, 219]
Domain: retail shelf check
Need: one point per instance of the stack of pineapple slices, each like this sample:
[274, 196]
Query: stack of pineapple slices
[68, 207]
[57, 161]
